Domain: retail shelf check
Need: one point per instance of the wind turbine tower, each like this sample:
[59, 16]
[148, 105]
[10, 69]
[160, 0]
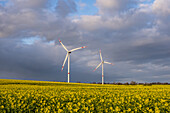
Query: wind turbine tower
[68, 57]
[102, 63]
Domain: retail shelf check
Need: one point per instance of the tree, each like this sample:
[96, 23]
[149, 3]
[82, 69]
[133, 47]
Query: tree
[133, 83]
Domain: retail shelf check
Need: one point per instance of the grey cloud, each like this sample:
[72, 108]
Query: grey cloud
[26, 4]
[144, 53]
[161, 10]
[129, 22]
[110, 7]
[161, 7]
[26, 22]
[29, 61]
[65, 7]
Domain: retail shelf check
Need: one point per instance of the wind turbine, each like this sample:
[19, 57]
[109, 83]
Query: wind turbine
[68, 56]
[102, 63]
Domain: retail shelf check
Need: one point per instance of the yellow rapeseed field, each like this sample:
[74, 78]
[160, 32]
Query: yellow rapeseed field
[23, 96]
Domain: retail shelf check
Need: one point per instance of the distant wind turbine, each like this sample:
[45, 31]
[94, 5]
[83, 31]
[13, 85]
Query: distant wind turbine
[102, 63]
[68, 56]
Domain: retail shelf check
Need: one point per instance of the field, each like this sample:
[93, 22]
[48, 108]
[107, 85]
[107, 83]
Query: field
[23, 96]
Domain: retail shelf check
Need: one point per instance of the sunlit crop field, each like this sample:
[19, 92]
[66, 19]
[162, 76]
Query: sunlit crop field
[23, 96]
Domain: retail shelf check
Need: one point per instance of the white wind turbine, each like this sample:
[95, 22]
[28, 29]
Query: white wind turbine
[102, 63]
[68, 56]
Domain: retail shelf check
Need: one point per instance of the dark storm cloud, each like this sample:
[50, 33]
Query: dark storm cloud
[143, 53]
[131, 34]
[27, 61]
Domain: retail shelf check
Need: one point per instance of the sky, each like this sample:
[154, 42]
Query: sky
[132, 34]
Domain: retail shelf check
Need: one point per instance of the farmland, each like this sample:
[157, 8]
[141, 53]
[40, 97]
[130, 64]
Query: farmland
[50, 97]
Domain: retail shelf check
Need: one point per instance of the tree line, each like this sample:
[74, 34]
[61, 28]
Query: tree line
[133, 83]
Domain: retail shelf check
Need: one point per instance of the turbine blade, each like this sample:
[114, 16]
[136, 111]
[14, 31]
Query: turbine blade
[108, 63]
[78, 48]
[63, 45]
[64, 61]
[97, 66]
[101, 56]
